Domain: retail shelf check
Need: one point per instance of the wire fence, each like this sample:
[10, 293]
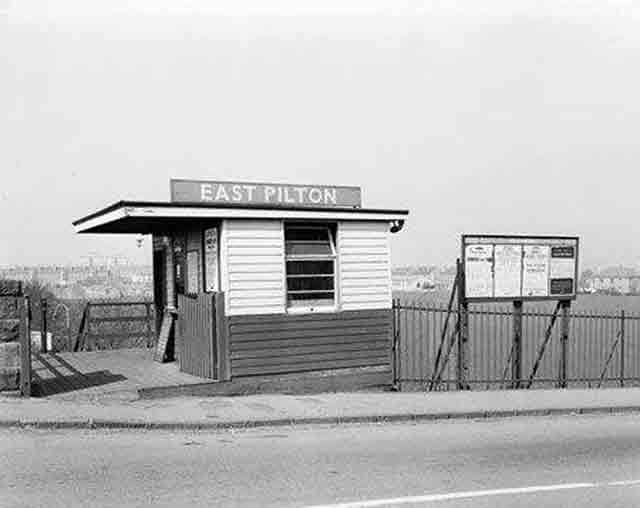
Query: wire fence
[603, 349]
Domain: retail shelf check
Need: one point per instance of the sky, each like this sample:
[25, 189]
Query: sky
[493, 117]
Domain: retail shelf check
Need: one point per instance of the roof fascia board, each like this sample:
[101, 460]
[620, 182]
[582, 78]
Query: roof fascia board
[100, 220]
[247, 213]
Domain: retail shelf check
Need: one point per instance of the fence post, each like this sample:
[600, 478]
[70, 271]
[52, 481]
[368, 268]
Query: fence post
[43, 325]
[87, 330]
[516, 360]
[394, 344]
[622, 331]
[25, 347]
[150, 339]
[564, 343]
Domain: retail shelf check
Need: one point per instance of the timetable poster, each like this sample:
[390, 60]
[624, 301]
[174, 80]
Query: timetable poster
[535, 270]
[479, 271]
[193, 274]
[507, 271]
[563, 263]
[562, 271]
[211, 259]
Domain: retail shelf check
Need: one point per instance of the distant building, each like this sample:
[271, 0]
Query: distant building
[613, 280]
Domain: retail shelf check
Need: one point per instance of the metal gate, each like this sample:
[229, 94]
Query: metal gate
[196, 329]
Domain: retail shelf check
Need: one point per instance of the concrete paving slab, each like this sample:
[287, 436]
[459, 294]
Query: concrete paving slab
[272, 410]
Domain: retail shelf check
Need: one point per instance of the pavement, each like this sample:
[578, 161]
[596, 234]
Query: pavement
[127, 410]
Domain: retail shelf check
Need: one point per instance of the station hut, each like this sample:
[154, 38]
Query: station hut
[261, 279]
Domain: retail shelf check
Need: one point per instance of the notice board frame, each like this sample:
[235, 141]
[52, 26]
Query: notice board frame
[514, 238]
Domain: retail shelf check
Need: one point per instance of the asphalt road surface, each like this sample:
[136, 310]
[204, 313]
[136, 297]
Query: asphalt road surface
[543, 461]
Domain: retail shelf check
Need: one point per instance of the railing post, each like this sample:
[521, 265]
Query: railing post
[394, 349]
[43, 325]
[516, 360]
[622, 332]
[25, 347]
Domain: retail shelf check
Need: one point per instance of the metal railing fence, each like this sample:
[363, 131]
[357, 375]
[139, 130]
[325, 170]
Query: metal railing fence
[603, 348]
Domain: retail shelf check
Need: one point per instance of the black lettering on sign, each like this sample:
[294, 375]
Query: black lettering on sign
[565, 251]
[561, 287]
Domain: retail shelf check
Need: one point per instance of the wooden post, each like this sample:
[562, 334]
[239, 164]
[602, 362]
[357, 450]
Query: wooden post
[222, 338]
[149, 325]
[463, 334]
[25, 347]
[43, 325]
[622, 332]
[443, 336]
[87, 330]
[564, 343]
[516, 360]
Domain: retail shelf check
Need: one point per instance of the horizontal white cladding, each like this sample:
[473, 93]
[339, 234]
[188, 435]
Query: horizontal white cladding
[253, 276]
[368, 282]
[364, 265]
[256, 242]
[170, 212]
[253, 266]
[249, 285]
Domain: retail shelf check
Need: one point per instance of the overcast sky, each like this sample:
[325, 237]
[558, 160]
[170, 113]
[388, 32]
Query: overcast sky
[506, 117]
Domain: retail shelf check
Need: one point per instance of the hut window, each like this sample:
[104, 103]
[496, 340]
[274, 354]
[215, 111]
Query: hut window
[310, 264]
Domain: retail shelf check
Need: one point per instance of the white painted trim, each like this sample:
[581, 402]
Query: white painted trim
[233, 213]
[100, 220]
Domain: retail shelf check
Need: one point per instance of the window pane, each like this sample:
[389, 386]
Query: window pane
[309, 268]
[309, 299]
[308, 249]
[307, 242]
[309, 283]
[302, 234]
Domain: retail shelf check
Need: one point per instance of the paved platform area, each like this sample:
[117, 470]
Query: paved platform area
[98, 374]
[272, 410]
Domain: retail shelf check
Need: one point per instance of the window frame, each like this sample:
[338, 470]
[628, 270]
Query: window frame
[331, 230]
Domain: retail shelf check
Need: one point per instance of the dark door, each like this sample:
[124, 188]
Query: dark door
[196, 335]
[159, 286]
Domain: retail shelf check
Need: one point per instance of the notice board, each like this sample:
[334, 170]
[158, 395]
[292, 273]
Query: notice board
[509, 268]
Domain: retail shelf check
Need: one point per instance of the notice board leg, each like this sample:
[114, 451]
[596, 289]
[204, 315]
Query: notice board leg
[463, 347]
[516, 360]
[564, 342]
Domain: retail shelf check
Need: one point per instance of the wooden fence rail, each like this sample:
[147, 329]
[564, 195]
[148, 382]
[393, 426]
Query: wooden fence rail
[111, 325]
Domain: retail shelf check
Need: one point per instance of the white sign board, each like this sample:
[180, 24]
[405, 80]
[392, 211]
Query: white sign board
[520, 267]
[211, 259]
[193, 273]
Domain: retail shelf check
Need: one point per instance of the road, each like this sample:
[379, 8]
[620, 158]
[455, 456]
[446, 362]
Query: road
[542, 461]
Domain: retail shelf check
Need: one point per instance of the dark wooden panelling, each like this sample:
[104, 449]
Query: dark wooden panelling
[289, 352]
[280, 343]
[293, 330]
[304, 341]
[306, 367]
[196, 329]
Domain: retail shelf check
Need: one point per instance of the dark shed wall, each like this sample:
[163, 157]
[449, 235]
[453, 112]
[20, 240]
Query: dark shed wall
[275, 344]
